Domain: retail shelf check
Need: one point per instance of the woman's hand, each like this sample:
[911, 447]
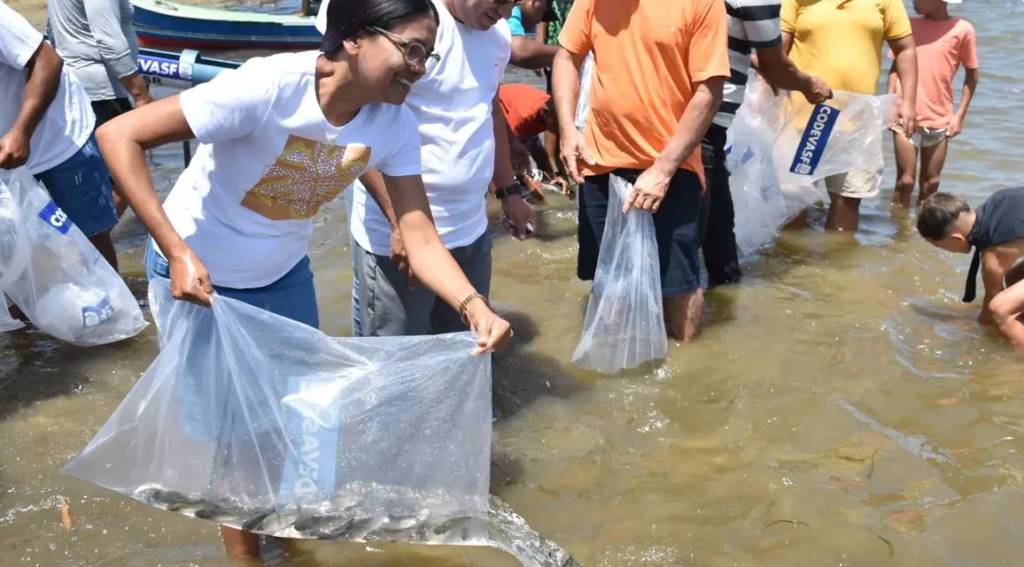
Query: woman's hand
[492, 332]
[190, 281]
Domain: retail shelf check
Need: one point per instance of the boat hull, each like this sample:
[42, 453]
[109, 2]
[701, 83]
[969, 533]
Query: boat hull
[163, 24]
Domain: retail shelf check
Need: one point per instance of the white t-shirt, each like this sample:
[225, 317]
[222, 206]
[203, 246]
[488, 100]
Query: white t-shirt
[67, 123]
[269, 160]
[453, 105]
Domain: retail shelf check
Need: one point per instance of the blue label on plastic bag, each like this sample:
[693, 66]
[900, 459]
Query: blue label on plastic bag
[93, 315]
[53, 216]
[815, 138]
[309, 467]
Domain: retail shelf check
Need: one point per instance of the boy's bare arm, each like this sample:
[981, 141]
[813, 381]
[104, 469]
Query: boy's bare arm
[956, 125]
[995, 263]
[1006, 308]
[992, 277]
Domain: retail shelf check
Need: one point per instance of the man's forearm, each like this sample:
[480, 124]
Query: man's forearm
[40, 89]
[780, 71]
[785, 75]
[504, 175]
[906, 70]
[693, 125]
[530, 54]
[136, 86]
[373, 180]
[565, 82]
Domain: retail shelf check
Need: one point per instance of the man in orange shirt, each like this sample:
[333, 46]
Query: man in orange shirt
[658, 76]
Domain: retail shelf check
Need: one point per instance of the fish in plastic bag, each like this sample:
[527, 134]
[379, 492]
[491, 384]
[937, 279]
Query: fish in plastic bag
[54, 274]
[779, 146]
[264, 424]
[624, 327]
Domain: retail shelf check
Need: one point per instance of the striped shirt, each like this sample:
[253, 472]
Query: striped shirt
[753, 24]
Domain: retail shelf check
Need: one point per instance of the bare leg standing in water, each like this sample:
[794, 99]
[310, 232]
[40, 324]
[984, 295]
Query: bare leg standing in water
[933, 158]
[906, 169]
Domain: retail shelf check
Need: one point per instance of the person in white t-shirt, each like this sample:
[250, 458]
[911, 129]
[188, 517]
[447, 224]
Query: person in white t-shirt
[281, 136]
[459, 116]
[46, 126]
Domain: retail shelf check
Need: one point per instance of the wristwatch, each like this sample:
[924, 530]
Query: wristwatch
[515, 188]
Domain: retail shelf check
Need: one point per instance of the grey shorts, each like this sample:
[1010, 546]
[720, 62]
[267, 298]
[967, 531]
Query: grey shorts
[383, 305]
[924, 137]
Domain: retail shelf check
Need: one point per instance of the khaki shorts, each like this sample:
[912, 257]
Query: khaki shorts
[857, 184]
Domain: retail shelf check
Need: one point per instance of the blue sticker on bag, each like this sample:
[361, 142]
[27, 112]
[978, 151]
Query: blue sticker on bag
[312, 437]
[815, 138]
[93, 315]
[53, 216]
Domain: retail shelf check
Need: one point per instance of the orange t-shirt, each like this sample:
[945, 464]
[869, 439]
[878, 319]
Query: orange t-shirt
[941, 48]
[523, 107]
[647, 56]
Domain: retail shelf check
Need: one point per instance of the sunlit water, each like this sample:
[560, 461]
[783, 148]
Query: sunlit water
[842, 406]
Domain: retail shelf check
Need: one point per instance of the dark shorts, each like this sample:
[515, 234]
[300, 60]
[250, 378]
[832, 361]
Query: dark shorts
[677, 228]
[107, 110]
[81, 187]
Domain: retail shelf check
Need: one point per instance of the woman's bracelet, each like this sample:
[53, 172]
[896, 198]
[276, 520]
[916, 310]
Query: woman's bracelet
[465, 303]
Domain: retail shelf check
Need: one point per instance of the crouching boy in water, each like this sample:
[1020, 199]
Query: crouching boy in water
[996, 232]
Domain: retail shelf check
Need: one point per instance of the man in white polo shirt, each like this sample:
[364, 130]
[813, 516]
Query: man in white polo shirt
[455, 103]
[46, 126]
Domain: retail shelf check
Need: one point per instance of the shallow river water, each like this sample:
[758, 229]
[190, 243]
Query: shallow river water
[842, 407]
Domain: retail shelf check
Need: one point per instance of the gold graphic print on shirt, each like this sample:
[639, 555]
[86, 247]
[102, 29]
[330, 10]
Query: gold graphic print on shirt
[306, 175]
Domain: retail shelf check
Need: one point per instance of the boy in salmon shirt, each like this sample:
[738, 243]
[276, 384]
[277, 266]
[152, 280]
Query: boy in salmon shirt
[659, 69]
[944, 43]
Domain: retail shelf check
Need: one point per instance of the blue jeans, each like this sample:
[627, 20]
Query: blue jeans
[292, 296]
[81, 187]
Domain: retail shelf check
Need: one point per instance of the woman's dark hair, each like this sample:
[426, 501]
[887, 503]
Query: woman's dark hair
[939, 213]
[347, 19]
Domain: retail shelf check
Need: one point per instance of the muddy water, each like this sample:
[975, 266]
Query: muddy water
[841, 408]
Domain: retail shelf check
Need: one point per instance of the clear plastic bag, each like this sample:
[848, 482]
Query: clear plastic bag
[624, 327]
[57, 278]
[13, 255]
[265, 424]
[583, 103]
[7, 323]
[780, 145]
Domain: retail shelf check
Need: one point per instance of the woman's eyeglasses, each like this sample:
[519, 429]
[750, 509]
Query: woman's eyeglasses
[415, 53]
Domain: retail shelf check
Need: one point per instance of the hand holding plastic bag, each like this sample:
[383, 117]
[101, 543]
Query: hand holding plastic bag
[268, 425]
[624, 327]
[54, 274]
[780, 145]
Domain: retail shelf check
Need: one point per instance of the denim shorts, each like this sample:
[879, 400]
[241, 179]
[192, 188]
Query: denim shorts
[81, 187]
[677, 228]
[292, 296]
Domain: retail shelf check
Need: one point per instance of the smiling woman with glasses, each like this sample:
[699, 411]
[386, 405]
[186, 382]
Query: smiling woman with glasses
[281, 137]
[416, 54]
